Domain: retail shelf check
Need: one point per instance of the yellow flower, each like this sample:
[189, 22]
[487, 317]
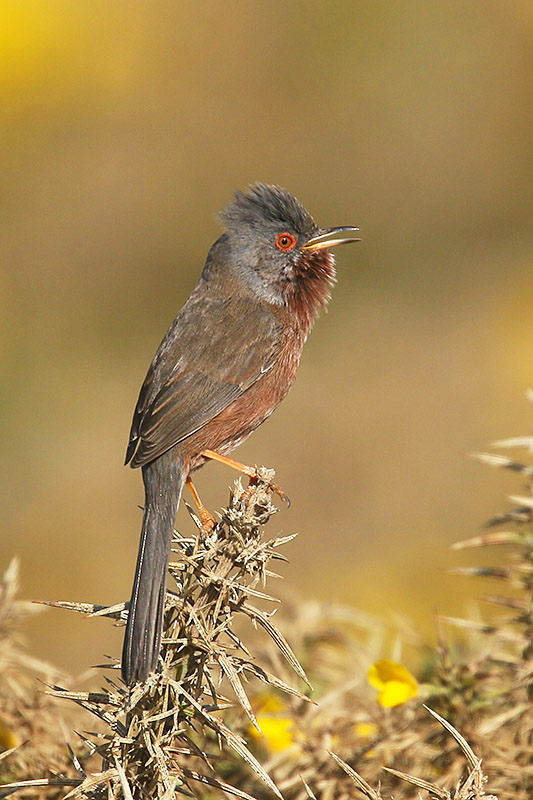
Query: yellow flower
[366, 730]
[8, 738]
[277, 728]
[277, 733]
[394, 682]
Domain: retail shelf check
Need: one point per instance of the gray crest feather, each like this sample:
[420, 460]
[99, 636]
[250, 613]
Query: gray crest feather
[267, 203]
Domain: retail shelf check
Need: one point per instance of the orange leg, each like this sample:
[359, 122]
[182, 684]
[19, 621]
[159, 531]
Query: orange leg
[207, 519]
[250, 472]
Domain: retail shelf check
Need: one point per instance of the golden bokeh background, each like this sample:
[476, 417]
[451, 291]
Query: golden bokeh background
[125, 127]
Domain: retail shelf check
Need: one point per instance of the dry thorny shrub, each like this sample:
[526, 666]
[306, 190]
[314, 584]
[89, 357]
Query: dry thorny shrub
[195, 726]
[30, 726]
[155, 740]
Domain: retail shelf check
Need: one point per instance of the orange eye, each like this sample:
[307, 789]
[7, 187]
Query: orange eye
[285, 241]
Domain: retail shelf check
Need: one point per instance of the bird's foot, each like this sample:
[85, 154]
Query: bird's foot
[272, 487]
[250, 472]
[208, 521]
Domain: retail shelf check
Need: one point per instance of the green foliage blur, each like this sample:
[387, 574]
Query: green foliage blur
[124, 128]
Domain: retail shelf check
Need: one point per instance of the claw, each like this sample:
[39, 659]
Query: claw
[280, 493]
[208, 523]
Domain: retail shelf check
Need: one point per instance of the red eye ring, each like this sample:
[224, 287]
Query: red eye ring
[285, 241]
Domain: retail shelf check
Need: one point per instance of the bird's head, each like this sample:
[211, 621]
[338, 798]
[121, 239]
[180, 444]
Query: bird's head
[275, 246]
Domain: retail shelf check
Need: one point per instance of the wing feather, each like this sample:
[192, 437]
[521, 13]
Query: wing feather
[194, 377]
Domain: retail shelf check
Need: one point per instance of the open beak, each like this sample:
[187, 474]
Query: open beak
[323, 239]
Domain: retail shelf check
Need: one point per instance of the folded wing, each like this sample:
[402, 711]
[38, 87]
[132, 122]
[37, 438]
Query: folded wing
[191, 380]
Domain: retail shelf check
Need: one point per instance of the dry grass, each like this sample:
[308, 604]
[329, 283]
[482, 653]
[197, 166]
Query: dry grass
[30, 722]
[231, 711]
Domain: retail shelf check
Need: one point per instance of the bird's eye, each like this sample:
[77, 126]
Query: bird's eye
[285, 241]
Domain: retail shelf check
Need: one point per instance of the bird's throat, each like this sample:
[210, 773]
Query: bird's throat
[310, 291]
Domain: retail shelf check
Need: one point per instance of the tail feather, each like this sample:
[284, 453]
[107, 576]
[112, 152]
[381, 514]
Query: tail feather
[163, 482]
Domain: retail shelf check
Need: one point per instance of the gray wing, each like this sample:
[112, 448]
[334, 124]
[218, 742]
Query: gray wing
[213, 352]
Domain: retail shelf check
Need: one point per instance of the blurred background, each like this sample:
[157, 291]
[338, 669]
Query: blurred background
[125, 127]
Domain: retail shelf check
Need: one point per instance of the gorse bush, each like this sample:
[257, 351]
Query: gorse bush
[232, 710]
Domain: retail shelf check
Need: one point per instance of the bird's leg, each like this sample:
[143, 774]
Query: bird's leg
[208, 521]
[250, 472]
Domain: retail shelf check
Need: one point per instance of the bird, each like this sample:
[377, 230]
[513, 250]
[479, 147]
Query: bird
[225, 363]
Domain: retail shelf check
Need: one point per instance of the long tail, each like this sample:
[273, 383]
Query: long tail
[163, 484]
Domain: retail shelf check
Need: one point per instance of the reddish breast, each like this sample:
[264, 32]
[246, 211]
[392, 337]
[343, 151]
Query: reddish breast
[305, 296]
[233, 425]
